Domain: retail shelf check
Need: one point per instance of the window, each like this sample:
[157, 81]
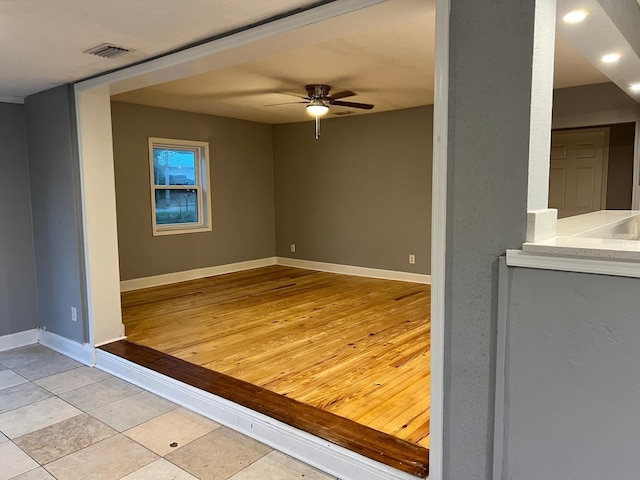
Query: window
[180, 197]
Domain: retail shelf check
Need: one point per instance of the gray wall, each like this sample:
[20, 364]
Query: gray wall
[620, 171]
[487, 177]
[242, 191]
[361, 194]
[18, 300]
[572, 376]
[55, 199]
[591, 105]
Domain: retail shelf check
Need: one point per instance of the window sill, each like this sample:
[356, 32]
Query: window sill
[180, 231]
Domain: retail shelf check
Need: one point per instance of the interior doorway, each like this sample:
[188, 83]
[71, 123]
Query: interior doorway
[93, 106]
[617, 157]
[578, 171]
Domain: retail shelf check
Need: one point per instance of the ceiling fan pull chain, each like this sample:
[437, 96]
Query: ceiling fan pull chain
[317, 127]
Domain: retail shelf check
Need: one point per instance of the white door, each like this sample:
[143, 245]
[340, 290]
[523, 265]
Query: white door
[578, 174]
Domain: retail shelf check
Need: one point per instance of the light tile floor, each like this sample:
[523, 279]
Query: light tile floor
[62, 420]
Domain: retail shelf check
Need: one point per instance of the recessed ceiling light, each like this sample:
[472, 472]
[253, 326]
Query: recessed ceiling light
[611, 58]
[635, 87]
[575, 16]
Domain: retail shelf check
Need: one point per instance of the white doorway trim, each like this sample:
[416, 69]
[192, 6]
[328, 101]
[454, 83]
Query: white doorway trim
[439, 235]
[98, 187]
[635, 199]
[100, 236]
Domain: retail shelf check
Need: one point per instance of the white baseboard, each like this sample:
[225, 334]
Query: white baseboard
[331, 458]
[353, 270]
[167, 278]
[20, 339]
[83, 353]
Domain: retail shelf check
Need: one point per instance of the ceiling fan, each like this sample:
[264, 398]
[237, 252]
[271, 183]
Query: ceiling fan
[318, 101]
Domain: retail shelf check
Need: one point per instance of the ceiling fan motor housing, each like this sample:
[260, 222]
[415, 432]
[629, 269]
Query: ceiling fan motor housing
[318, 91]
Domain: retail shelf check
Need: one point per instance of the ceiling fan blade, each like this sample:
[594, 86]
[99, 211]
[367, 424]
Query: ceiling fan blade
[344, 94]
[366, 106]
[285, 103]
[291, 94]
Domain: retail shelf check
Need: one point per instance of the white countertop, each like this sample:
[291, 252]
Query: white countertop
[594, 221]
[574, 249]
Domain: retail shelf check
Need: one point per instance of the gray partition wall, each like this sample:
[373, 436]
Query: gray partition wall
[571, 343]
[57, 221]
[17, 266]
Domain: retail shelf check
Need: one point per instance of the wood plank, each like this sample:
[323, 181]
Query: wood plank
[356, 347]
[371, 443]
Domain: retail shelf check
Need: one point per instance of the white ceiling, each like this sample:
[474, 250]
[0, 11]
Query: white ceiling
[42, 40]
[389, 64]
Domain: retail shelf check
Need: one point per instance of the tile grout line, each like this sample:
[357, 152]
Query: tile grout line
[115, 431]
[88, 412]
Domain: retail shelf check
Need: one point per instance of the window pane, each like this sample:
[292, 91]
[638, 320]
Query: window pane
[176, 206]
[174, 166]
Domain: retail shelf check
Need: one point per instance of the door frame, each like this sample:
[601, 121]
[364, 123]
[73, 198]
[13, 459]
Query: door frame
[100, 226]
[635, 198]
[605, 155]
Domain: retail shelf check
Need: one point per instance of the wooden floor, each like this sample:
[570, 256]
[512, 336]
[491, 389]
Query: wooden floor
[356, 347]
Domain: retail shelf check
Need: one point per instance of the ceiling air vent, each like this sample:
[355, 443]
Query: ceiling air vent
[106, 50]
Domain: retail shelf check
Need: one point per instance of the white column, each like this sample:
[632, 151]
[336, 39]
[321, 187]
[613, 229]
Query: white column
[93, 109]
[541, 220]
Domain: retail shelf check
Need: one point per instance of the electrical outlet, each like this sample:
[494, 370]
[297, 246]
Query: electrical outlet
[74, 314]
[293, 247]
[412, 259]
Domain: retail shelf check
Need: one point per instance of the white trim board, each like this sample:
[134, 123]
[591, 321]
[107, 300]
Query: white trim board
[175, 277]
[518, 258]
[83, 353]
[322, 454]
[353, 270]
[499, 424]
[439, 236]
[19, 339]
[168, 278]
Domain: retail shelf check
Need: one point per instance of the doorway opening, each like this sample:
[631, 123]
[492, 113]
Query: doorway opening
[94, 105]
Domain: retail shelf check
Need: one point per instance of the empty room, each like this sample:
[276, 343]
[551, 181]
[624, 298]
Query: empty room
[284, 257]
[311, 234]
[321, 229]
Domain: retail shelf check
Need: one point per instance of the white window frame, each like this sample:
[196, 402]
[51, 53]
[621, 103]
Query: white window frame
[201, 150]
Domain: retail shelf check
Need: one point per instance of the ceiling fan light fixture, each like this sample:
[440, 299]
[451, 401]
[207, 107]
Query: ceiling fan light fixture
[316, 108]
